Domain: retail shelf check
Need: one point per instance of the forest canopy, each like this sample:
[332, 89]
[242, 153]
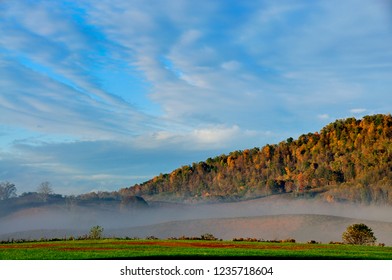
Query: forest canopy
[348, 160]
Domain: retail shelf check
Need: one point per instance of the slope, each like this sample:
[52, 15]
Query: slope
[348, 160]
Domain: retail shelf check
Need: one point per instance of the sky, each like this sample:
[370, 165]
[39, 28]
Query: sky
[101, 95]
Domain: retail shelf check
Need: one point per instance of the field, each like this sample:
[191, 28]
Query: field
[185, 249]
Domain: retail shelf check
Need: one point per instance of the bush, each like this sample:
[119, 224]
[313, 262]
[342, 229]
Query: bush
[289, 240]
[359, 234]
[336, 243]
[248, 239]
[152, 237]
[208, 236]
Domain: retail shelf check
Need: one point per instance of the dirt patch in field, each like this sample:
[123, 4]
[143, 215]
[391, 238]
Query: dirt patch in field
[90, 249]
[179, 244]
[221, 245]
[29, 246]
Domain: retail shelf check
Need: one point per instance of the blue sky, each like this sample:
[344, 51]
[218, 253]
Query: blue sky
[99, 95]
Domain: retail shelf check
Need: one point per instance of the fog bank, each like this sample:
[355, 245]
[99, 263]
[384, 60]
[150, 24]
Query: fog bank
[310, 219]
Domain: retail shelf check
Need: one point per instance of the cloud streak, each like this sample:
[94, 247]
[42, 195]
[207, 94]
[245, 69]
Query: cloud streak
[39, 103]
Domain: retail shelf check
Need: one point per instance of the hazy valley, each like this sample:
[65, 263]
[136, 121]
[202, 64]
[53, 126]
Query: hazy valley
[270, 218]
[311, 188]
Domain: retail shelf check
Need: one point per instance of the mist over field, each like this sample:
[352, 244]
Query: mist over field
[266, 218]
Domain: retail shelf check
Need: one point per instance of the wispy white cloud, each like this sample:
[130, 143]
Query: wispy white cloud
[323, 116]
[48, 63]
[358, 110]
[231, 65]
[36, 102]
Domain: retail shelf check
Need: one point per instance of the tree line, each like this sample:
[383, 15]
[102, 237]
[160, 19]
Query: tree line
[44, 196]
[8, 190]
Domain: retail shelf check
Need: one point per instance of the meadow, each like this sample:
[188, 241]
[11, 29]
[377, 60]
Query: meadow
[185, 249]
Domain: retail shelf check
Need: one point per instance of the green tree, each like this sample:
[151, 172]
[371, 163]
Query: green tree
[359, 234]
[96, 232]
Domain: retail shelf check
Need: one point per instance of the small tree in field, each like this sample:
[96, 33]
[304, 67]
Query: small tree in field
[96, 232]
[359, 234]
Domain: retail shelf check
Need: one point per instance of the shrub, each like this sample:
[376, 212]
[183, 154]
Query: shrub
[248, 239]
[289, 240]
[152, 237]
[208, 236]
[336, 243]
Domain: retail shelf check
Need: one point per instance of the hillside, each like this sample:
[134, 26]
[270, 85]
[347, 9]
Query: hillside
[348, 160]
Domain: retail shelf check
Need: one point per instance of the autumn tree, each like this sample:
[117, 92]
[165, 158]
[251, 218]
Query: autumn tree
[350, 159]
[359, 234]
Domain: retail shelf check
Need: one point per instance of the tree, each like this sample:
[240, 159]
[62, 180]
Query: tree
[359, 234]
[96, 232]
[44, 190]
[7, 190]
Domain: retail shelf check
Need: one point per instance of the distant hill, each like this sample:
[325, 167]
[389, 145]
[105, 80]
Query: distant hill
[348, 160]
[100, 200]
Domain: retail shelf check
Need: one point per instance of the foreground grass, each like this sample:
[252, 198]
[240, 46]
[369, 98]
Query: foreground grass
[161, 249]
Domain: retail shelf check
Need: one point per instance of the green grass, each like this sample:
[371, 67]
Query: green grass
[161, 249]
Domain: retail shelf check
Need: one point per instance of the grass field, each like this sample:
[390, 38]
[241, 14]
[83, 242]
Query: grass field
[183, 249]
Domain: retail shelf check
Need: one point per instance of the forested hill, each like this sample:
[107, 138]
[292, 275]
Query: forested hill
[348, 160]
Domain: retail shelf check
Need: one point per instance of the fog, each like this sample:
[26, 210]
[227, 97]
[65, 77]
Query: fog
[268, 218]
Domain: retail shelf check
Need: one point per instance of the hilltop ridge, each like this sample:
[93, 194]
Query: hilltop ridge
[348, 160]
